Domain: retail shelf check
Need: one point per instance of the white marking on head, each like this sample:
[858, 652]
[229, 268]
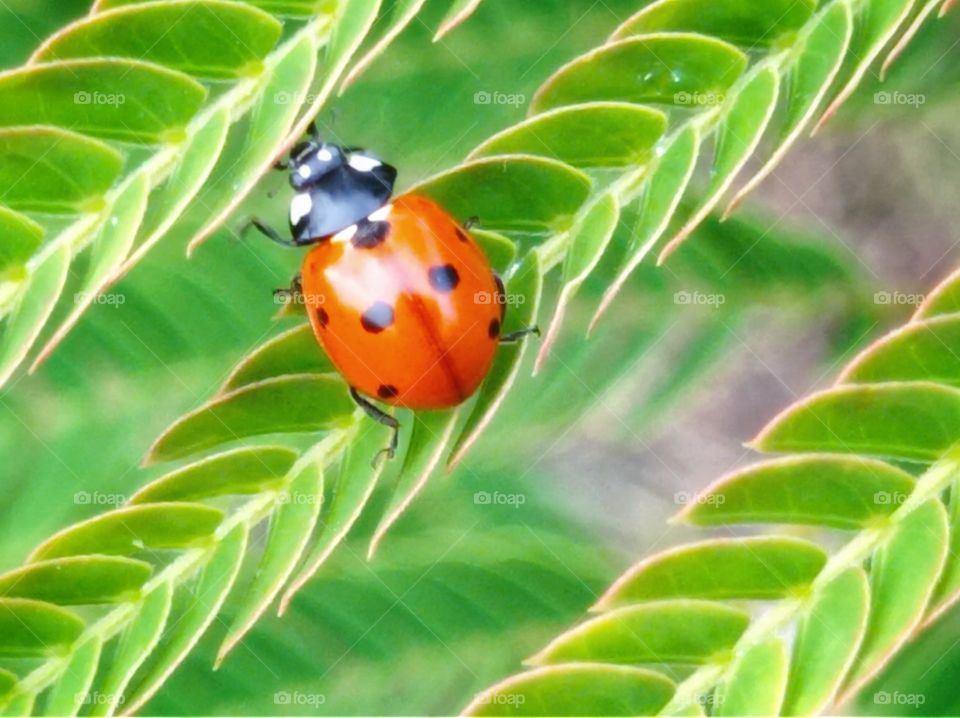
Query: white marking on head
[382, 214]
[364, 163]
[300, 207]
[345, 235]
[304, 171]
[324, 155]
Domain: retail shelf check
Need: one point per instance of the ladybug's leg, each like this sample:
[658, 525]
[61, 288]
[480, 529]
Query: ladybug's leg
[514, 337]
[380, 417]
[471, 222]
[293, 293]
[267, 231]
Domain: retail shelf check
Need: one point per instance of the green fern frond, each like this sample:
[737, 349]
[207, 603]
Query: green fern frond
[546, 202]
[873, 462]
[122, 130]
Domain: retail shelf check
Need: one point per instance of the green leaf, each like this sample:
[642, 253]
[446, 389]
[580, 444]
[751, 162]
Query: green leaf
[500, 251]
[78, 580]
[67, 695]
[877, 24]
[350, 26]
[757, 682]
[252, 147]
[430, 436]
[524, 288]
[114, 99]
[761, 567]
[302, 403]
[574, 690]
[916, 421]
[295, 351]
[403, 13]
[458, 12]
[668, 69]
[947, 591]
[596, 134]
[289, 8]
[812, 71]
[919, 19]
[662, 191]
[139, 638]
[33, 308]
[107, 253]
[21, 237]
[20, 704]
[741, 22]
[248, 470]
[356, 481]
[290, 530]
[48, 169]
[745, 119]
[918, 351]
[828, 638]
[903, 574]
[944, 299]
[117, 235]
[668, 632]
[129, 530]
[823, 490]
[197, 158]
[236, 37]
[35, 628]
[202, 605]
[590, 239]
[512, 192]
[7, 682]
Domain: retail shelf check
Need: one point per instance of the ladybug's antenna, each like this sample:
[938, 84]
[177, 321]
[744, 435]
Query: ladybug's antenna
[314, 132]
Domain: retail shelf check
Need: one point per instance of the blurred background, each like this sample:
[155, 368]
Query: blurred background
[595, 453]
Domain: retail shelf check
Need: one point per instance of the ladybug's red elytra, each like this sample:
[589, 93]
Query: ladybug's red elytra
[399, 295]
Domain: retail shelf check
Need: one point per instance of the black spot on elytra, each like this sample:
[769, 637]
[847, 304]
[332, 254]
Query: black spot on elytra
[378, 317]
[323, 317]
[494, 329]
[387, 391]
[444, 278]
[369, 234]
[462, 236]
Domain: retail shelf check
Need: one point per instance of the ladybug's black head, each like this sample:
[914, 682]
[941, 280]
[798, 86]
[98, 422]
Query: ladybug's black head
[336, 187]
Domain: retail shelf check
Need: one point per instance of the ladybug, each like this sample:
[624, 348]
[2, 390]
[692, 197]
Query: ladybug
[399, 295]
